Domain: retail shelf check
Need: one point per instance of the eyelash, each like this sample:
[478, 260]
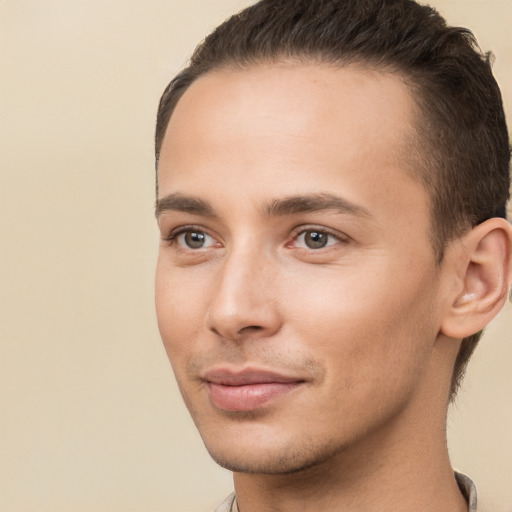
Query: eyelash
[339, 237]
[173, 238]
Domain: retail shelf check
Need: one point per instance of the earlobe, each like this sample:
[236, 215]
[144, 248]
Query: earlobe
[486, 278]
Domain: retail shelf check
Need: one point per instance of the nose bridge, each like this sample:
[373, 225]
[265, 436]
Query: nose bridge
[243, 301]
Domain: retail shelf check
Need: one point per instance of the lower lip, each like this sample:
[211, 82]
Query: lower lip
[250, 396]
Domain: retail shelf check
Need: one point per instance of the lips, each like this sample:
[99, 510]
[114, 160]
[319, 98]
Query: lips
[249, 389]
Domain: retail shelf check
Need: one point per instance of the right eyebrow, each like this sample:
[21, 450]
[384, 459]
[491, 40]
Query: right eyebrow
[180, 203]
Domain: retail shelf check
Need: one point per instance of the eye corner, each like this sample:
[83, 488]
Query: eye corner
[192, 239]
[315, 238]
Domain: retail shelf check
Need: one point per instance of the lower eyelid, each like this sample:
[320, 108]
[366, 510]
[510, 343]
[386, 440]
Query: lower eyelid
[210, 240]
[173, 238]
[339, 237]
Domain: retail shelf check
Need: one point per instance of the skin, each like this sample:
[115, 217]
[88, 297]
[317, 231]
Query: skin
[357, 323]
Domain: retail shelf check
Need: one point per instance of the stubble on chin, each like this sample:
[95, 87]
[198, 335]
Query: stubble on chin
[298, 459]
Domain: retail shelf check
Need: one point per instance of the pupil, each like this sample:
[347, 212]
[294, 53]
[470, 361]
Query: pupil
[194, 239]
[315, 239]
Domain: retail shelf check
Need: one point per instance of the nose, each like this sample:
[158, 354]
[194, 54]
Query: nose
[245, 303]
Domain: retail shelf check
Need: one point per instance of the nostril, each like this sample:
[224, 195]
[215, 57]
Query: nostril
[233, 319]
[252, 328]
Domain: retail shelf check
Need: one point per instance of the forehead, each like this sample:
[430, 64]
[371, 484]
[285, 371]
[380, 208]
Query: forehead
[290, 128]
[367, 108]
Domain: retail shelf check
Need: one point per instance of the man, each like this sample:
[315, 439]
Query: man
[332, 179]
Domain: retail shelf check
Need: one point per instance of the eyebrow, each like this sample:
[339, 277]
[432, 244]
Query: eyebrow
[315, 203]
[187, 204]
[292, 205]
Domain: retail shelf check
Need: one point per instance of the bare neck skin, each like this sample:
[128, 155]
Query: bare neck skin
[401, 467]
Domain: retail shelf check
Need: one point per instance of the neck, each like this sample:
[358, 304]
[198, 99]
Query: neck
[364, 482]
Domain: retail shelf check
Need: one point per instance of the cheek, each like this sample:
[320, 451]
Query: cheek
[368, 325]
[178, 310]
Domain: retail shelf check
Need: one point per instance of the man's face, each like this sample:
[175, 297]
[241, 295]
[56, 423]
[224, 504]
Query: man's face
[296, 287]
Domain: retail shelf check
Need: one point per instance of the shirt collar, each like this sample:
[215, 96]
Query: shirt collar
[466, 486]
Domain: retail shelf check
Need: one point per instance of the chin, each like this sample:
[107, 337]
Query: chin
[270, 458]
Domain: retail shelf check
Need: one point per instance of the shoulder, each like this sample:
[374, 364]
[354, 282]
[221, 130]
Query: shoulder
[227, 504]
[467, 488]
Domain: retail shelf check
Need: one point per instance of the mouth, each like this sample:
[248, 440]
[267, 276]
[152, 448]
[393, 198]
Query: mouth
[248, 389]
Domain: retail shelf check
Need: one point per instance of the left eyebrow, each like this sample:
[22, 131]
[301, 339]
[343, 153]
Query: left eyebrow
[314, 203]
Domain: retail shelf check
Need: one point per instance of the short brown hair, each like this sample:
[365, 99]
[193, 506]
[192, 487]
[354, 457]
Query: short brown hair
[461, 140]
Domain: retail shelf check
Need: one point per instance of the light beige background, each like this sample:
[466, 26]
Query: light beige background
[90, 418]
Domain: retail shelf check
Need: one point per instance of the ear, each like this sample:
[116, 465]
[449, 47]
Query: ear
[485, 257]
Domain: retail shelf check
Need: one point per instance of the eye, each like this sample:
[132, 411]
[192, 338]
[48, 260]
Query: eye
[315, 239]
[194, 239]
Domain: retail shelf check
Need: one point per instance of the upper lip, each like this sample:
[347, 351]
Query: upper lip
[247, 376]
